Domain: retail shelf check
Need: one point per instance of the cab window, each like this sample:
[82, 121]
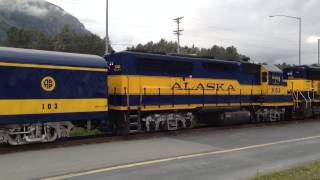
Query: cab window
[276, 80]
[264, 77]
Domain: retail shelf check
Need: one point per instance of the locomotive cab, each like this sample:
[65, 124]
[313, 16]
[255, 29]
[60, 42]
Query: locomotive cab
[272, 81]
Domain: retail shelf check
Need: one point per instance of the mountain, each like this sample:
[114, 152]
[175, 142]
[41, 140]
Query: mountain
[38, 15]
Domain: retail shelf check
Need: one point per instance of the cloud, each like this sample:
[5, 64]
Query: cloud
[29, 7]
[243, 23]
[313, 39]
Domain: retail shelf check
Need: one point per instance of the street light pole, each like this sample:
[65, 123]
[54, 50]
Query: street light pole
[318, 51]
[300, 30]
[107, 27]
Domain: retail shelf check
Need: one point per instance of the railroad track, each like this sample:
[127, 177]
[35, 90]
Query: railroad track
[105, 138]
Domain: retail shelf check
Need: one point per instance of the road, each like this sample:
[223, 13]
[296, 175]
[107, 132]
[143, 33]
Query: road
[230, 154]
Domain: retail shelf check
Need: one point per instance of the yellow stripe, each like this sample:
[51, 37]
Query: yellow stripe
[194, 106]
[151, 85]
[182, 157]
[52, 67]
[48, 106]
[162, 85]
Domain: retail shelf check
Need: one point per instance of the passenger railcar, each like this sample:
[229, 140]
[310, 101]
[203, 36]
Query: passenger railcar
[42, 94]
[151, 92]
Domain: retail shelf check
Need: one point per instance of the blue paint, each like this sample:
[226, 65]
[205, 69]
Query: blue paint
[149, 100]
[25, 83]
[200, 67]
[29, 56]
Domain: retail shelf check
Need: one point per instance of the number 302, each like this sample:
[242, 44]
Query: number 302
[49, 106]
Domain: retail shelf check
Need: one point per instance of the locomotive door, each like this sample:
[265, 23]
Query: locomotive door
[127, 91]
[264, 81]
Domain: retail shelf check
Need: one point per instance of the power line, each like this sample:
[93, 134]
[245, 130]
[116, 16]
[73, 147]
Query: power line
[178, 31]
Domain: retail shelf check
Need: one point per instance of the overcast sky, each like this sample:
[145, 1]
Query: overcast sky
[242, 23]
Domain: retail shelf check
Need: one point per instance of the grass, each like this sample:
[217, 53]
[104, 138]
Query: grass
[310, 171]
[84, 132]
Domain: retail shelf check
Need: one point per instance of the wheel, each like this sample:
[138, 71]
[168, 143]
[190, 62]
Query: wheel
[15, 140]
[52, 134]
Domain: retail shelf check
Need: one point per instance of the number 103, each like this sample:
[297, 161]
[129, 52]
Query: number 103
[50, 106]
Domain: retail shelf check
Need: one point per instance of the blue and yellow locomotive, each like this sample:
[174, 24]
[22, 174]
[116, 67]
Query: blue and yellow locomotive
[42, 94]
[304, 85]
[153, 92]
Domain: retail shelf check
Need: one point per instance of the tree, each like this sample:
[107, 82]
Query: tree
[65, 41]
[19, 38]
[43, 42]
[232, 53]
[90, 44]
[26, 38]
[69, 41]
[163, 46]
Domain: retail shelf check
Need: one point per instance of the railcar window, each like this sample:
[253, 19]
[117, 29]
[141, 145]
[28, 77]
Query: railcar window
[250, 68]
[313, 74]
[177, 66]
[217, 66]
[165, 66]
[264, 77]
[150, 65]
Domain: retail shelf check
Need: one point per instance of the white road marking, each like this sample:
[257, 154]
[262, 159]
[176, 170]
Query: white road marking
[73, 175]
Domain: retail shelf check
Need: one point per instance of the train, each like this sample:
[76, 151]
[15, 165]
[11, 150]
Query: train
[44, 95]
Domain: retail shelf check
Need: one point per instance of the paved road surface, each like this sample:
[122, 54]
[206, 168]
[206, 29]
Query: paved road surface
[230, 154]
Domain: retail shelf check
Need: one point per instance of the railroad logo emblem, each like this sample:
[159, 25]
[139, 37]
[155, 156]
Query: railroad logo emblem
[117, 68]
[48, 84]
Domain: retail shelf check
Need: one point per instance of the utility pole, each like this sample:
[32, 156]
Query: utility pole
[178, 31]
[318, 51]
[107, 27]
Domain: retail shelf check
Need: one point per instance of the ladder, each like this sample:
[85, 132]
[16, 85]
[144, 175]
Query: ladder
[134, 117]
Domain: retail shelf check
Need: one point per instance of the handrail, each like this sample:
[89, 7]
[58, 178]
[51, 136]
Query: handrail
[313, 94]
[295, 96]
[296, 99]
[303, 96]
[304, 99]
[309, 96]
[310, 100]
